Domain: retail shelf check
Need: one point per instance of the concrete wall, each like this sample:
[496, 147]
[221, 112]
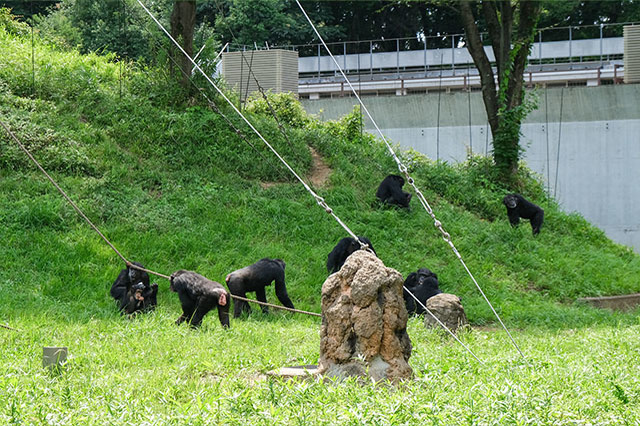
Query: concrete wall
[583, 141]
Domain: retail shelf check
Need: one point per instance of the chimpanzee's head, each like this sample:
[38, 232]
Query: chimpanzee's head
[510, 200]
[424, 274]
[136, 275]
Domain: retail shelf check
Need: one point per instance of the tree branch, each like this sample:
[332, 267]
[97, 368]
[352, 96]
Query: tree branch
[493, 27]
[476, 50]
[528, 19]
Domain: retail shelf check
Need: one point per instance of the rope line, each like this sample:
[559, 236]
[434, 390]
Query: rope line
[8, 328]
[319, 200]
[442, 324]
[211, 103]
[469, 103]
[64, 194]
[244, 299]
[555, 184]
[546, 117]
[95, 228]
[403, 169]
[271, 109]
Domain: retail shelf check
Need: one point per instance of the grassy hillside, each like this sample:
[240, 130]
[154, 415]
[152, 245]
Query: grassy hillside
[173, 187]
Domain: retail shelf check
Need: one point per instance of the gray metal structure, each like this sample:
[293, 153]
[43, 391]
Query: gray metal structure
[632, 53]
[275, 70]
[595, 150]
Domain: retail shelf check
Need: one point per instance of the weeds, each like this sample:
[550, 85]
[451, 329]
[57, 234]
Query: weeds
[173, 188]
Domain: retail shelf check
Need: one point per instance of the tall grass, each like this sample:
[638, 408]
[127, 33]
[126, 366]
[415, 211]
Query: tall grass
[173, 187]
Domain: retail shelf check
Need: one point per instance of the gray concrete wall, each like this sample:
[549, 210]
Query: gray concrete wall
[589, 158]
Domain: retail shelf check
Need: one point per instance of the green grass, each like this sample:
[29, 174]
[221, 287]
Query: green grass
[148, 371]
[173, 187]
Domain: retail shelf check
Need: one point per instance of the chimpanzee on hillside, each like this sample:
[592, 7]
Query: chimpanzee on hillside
[132, 291]
[256, 278]
[422, 284]
[344, 249]
[198, 295]
[518, 207]
[390, 191]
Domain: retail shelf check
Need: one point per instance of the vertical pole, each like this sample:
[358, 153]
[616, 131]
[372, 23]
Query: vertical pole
[242, 77]
[398, 57]
[570, 49]
[344, 62]
[486, 140]
[453, 58]
[546, 114]
[359, 94]
[555, 185]
[33, 55]
[469, 98]
[318, 61]
[601, 27]
[371, 59]
[540, 49]
[438, 120]
[424, 42]
[120, 55]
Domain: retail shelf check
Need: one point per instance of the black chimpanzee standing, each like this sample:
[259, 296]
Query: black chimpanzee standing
[344, 249]
[198, 295]
[518, 207]
[255, 278]
[132, 290]
[423, 284]
[390, 191]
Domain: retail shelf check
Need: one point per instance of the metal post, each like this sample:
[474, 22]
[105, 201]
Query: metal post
[318, 61]
[344, 62]
[424, 42]
[540, 49]
[453, 59]
[33, 56]
[601, 27]
[121, 53]
[398, 57]
[371, 59]
[570, 49]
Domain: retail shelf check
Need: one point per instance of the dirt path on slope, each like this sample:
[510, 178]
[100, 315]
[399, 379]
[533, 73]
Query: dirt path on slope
[318, 175]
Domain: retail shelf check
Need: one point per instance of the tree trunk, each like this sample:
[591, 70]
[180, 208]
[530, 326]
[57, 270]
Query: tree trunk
[504, 102]
[183, 21]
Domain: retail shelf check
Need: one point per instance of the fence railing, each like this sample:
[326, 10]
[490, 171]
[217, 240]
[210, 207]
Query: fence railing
[568, 45]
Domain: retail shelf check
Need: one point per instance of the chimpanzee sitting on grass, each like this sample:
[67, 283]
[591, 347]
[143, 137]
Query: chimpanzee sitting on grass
[390, 191]
[518, 207]
[256, 278]
[423, 285]
[132, 291]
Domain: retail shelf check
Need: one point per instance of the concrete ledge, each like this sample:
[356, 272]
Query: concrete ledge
[298, 372]
[624, 302]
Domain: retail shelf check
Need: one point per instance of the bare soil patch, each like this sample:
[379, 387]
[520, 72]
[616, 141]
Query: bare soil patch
[318, 175]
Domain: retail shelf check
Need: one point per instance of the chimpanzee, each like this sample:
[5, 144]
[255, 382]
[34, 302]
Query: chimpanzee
[132, 291]
[344, 249]
[390, 191]
[256, 278]
[423, 285]
[198, 295]
[518, 207]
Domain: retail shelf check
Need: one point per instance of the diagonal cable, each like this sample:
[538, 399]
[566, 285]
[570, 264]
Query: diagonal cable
[403, 170]
[318, 199]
